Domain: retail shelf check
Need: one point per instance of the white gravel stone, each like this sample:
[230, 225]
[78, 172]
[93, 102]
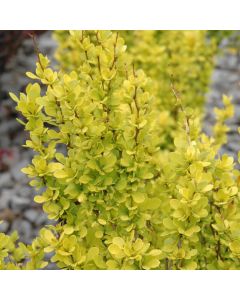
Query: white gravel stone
[25, 191]
[5, 198]
[4, 226]
[20, 202]
[32, 215]
[227, 61]
[24, 229]
[16, 170]
[5, 180]
[36, 216]
[10, 126]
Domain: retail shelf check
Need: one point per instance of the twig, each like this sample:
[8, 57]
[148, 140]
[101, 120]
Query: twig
[179, 102]
[36, 48]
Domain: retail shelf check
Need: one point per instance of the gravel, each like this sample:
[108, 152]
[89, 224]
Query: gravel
[4, 227]
[5, 180]
[17, 207]
[16, 173]
[5, 198]
[225, 80]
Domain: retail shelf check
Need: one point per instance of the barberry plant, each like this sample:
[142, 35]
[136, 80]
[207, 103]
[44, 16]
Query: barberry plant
[118, 199]
[185, 57]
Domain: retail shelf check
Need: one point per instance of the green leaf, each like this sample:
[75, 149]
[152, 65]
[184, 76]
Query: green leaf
[150, 263]
[235, 246]
[52, 167]
[155, 252]
[115, 250]
[138, 197]
[40, 199]
[92, 253]
[190, 265]
[118, 241]
[14, 97]
[151, 203]
[102, 221]
[31, 75]
[47, 235]
[68, 229]
[84, 179]
[60, 174]
[207, 188]
[192, 230]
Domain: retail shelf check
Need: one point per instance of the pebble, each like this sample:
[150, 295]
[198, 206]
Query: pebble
[227, 61]
[8, 127]
[16, 173]
[5, 180]
[5, 141]
[25, 191]
[31, 215]
[4, 226]
[235, 94]
[20, 202]
[234, 147]
[35, 216]
[23, 228]
[6, 197]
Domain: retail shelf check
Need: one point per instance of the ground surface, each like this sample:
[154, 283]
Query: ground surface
[226, 80]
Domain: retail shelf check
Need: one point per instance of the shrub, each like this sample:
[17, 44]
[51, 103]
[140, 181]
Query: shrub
[120, 201]
[183, 57]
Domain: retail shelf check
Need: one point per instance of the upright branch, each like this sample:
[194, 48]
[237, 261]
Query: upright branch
[36, 48]
[179, 102]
